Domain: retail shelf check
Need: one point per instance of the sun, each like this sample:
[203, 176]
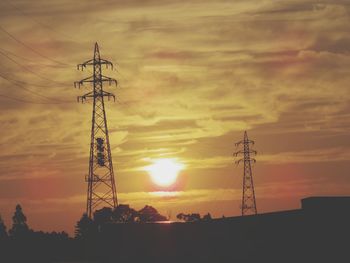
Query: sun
[164, 172]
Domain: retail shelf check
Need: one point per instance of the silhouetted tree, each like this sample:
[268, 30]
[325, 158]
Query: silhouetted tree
[85, 228]
[3, 232]
[124, 214]
[19, 226]
[58, 235]
[189, 217]
[180, 216]
[150, 214]
[103, 216]
[207, 217]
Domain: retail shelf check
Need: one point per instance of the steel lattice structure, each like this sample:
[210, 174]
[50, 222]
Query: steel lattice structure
[248, 196]
[101, 183]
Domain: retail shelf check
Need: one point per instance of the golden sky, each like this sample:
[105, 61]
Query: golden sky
[193, 75]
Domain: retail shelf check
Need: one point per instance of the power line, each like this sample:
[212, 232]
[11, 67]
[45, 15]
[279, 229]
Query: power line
[38, 22]
[28, 90]
[30, 48]
[31, 102]
[20, 82]
[26, 69]
[23, 58]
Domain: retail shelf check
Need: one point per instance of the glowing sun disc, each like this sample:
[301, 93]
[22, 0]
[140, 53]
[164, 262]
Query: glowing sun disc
[164, 172]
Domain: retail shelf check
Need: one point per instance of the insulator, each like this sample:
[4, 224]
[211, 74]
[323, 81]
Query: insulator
[100, 159]
[100, 144]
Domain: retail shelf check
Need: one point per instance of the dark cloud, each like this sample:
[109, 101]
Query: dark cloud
[289, 7]
[341, 45]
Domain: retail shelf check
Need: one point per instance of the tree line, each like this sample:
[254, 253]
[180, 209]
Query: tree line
[20, 242]
[121, 214]
[21, 230]
[86, 227]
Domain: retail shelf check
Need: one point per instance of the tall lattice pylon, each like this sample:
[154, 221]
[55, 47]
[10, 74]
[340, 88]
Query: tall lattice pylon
[248, 196]
[101, 183]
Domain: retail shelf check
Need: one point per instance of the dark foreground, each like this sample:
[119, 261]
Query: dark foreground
[319, 232]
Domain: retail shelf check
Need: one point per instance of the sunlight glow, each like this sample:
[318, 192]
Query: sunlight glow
[165, 193]
[164, 172]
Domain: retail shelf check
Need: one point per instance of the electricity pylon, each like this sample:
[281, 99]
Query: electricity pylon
[248, 196]
[101, 183]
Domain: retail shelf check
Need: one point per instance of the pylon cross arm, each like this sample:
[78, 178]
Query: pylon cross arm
[83, 65]
[106, 62]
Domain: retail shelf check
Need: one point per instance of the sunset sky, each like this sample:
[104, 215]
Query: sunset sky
[193, 75]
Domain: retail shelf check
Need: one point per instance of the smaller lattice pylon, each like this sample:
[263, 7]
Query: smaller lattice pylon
[248, 194]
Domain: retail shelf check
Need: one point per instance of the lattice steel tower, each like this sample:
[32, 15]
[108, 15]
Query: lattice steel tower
[101, 184]
[248, 196]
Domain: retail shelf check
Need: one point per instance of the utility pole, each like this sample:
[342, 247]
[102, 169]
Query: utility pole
[248, 196]
[101, 184]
